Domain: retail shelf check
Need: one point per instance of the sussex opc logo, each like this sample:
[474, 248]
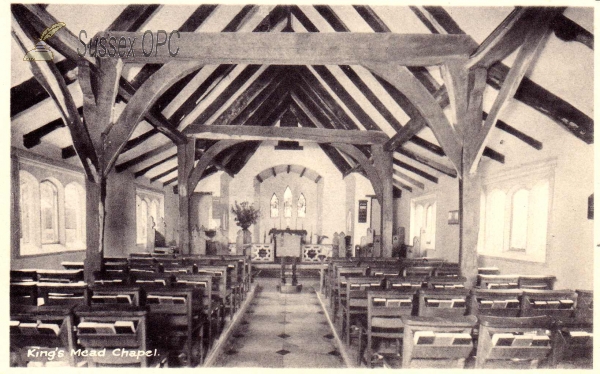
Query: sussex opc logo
[42, 52]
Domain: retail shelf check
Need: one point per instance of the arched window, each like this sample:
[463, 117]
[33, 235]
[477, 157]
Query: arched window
[274, 206]
[287, 203]
[301, 206]
[154, 209]
[494, 225]
[142, 220]
[49, 212]
[74, 214]
[519, 219]
[429, 240]
[28, 187]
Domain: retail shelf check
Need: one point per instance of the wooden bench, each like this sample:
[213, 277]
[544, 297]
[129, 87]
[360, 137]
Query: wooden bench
[353, 302]
[536, 282]
[24, 293]
[437, 342]
[406, 284]
[498, 282]
[446, 282]
[59, 276]
[47, 330]
[513, 339]
[120, 328]
[177, 323]
[385, 310]
[557, 304]
[339, 288]
[447, 303]
[500, 303]
[108, 294]
[62, 293]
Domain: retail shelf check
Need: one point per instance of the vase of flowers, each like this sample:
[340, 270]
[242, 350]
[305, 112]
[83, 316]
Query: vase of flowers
[245, 215]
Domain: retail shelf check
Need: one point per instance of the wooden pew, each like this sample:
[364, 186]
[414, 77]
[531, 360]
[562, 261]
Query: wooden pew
[446, 282]
[23, 293]
[498, 282]
[213, 308]
[49, 328]
[557, 304]
[490, 270]
[113, 278]
[107, 294]
[437, 342]
[447, 303]
[123, 328]
[328, 274]
[339, 290]
[62, 293]
[573, 344]
[153, 279]
[537, 282]
[221, 286]
[177, 323]
[500, 303]
[115, 264]
[507, 339]
[384, 270]
[353, 303]
[410, 271]
[59, 276]
[23, 275]
[72, 265]
[584, 310]
[406, 284]
[385, 310]
[447, 269]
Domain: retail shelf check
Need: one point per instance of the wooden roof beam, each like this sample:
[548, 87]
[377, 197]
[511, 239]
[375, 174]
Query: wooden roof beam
[529, 92]
[534, 39]
[428, 162]
[307, 48]
[409, 179]
[286, 133]
[415, 170]
[143, 171]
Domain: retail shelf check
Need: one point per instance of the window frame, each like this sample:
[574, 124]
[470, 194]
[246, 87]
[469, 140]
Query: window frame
[148, 196]
[423, 203]
[36, 170]
[510, 182]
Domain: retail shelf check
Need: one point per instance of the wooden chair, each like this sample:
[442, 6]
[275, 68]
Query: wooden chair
[584, 310]
[353, 302]
[557, 304]
[23, 293]
[59, 276]
[46, 330]
[23, 275]
[573, 343]
[490, 270]
[72, 265]
[446, 282]
[105, 294]
[212, 305]
[62, 293]
[406, 284]
[412, 271]
[537, 282]
[177, 323]
[498, 282]
[114, 327]
[447, 269]
[500, 303]
[437, 342]
[385, 310]
[339, 291]
[510, 340]
[446, 303]
[384, 270]
[221, 284]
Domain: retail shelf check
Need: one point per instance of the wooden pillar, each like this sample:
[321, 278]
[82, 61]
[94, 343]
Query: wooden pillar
[384, 166]
[469, 199]
[185, 158]
[95, 198]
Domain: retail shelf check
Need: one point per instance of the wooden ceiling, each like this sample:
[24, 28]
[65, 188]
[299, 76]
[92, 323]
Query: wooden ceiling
[318, 96]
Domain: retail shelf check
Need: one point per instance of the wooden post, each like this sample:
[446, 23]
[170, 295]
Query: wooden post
[95, 198]
[185, 160]
[383, 164]
[469, 199]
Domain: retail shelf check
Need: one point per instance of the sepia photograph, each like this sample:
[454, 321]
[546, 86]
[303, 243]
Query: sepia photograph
[298, 185]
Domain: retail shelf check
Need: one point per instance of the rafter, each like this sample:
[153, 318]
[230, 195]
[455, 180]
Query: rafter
[143, 171]
[426, 161]
[409, 179]
[415, 170]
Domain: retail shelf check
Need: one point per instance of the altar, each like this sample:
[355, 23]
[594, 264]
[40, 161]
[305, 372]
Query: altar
[288, 242]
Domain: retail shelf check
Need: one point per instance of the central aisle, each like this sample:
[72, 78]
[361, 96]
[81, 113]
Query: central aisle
[282, 331]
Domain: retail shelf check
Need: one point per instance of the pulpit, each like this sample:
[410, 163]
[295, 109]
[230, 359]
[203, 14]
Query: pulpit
[288, 242]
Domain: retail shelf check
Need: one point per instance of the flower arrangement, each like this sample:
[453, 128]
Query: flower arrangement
[245, 214]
